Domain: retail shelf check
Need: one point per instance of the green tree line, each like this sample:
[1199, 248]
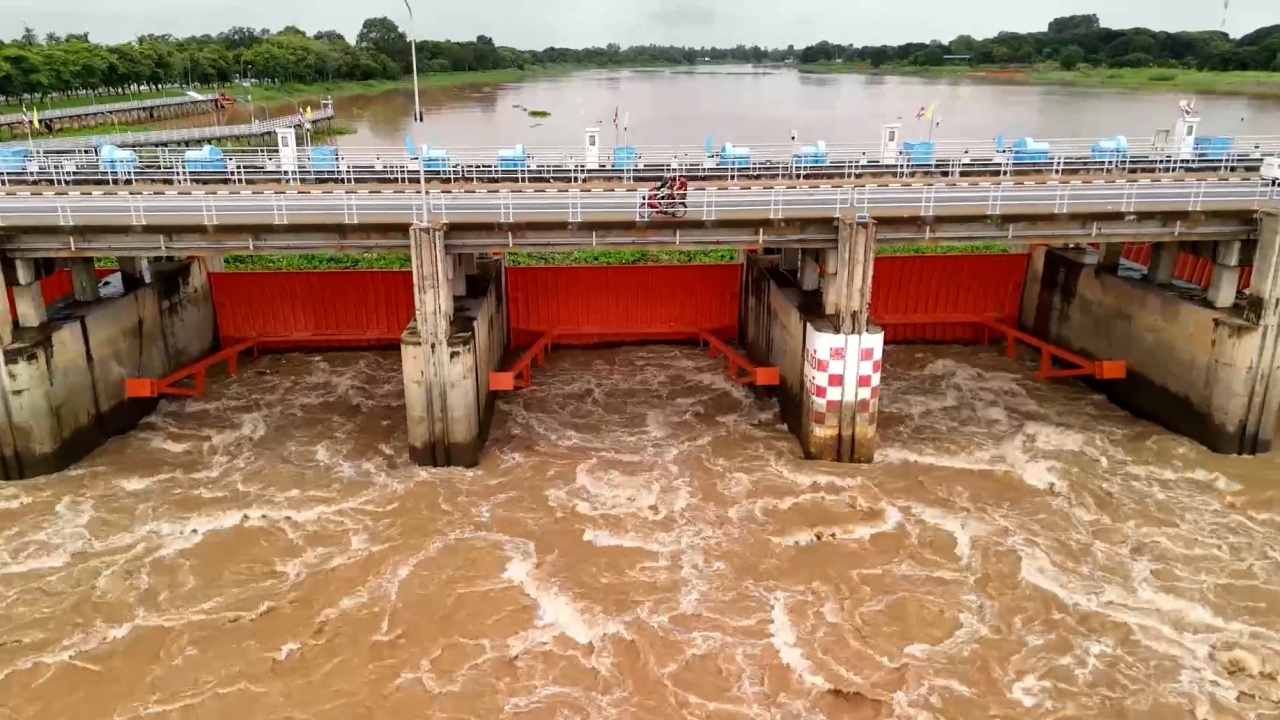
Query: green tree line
[1072, 41]
[36, 68]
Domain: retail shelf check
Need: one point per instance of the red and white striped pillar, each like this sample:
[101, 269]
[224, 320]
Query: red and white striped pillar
[842, 378]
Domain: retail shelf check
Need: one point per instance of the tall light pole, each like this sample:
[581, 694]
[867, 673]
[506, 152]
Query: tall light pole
[413, 55]
[417, 118]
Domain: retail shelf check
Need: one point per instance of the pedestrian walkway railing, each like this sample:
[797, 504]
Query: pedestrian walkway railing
[107, 108]
[74, 161]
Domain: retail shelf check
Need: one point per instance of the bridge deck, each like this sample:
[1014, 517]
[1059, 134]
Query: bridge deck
[18, 185]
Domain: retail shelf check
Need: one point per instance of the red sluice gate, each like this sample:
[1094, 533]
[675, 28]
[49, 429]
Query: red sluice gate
[591, 305]
[916, 298]
[313, 309]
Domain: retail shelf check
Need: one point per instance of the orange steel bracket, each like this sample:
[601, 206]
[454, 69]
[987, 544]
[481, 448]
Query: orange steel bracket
[1083, 367]
[520, 374]
[742, 370]
[168, 385]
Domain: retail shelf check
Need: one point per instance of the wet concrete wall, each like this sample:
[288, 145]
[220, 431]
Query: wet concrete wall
[456, 375]
[1191, 368]
[773, 332]
[63, 393]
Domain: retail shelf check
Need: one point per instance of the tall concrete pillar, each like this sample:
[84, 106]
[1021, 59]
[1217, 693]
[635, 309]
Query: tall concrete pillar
[1164, 262]
[1224, 283]
[23, 276]
[1262, 306]
[6, 314]
[810, 270]
[84, 281]
[441, 368]
[1109, 257]
[134, 272]
[844, 354]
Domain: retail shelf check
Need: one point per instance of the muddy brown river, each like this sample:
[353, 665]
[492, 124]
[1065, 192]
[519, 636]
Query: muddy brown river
[643, 540]
[752, 105]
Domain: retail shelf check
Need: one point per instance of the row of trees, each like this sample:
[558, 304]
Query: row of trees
[1072, 41]
[37, 68]
[34, 67]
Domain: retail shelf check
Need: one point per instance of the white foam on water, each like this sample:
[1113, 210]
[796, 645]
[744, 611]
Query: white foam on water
[558, 612]
[782, 635]
[855, 531]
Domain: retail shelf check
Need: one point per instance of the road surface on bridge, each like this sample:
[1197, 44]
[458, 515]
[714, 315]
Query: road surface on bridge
[599, 184]
[570, 207]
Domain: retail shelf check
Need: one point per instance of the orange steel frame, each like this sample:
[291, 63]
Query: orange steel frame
[1083, 367]
[743, 371]
[168, 385]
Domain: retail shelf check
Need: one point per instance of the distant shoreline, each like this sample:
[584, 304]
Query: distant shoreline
[1250, 84]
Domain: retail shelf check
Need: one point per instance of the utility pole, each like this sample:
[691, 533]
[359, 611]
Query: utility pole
[413, 55]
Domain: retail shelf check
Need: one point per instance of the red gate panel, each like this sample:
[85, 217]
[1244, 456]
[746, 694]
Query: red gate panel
[56, 286]
[1190, 268]
[622, 303]
[923, 286]
[313, 309]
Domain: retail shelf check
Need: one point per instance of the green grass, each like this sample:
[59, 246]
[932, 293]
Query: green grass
[400, 261]
[286, 91]
[1258, 84]
[624, 257]
[958, 249]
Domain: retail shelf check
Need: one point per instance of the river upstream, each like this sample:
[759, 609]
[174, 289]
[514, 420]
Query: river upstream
[643, 540]
[747, 106]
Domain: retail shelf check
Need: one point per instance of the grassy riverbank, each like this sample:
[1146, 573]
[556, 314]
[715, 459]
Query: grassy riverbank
[294, 91]
[1255, 84]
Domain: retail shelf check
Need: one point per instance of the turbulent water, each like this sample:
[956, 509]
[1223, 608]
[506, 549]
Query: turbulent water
[643, 541]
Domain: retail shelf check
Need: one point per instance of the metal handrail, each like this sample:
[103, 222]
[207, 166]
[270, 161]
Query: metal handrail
[81, 167]
[85, 110]
[575, 206]
[50, 161]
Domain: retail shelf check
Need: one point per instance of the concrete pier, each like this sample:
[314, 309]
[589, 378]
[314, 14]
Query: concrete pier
[63, 385]
[828, 351]
[458, 335]
[1207, 369]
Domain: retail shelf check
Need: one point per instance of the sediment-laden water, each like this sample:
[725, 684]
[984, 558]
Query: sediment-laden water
[643, 541]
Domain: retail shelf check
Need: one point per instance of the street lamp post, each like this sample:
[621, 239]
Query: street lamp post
[413, 59]
[417, 117]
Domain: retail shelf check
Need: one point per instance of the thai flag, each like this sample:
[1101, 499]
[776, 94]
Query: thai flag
[615, 116]
[920, 113]
[26, 119]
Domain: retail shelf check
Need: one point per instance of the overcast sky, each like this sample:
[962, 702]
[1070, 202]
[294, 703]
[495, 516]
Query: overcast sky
[575, 23]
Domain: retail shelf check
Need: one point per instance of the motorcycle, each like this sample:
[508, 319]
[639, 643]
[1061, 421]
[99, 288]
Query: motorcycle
[671, 203]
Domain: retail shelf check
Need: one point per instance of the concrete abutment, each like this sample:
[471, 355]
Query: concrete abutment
[63, 386]
[1207, 369]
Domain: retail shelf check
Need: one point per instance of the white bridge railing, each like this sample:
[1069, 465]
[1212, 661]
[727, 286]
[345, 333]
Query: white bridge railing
[107, 108]
[73, 161]
[576, 206]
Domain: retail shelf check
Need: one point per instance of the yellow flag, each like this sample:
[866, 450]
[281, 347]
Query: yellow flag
[35, 116]
[928, 114]
[308, 112]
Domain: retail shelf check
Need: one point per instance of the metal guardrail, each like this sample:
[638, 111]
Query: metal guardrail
[83, 164]
[88, 110]
[577, 206]
[73, 161]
